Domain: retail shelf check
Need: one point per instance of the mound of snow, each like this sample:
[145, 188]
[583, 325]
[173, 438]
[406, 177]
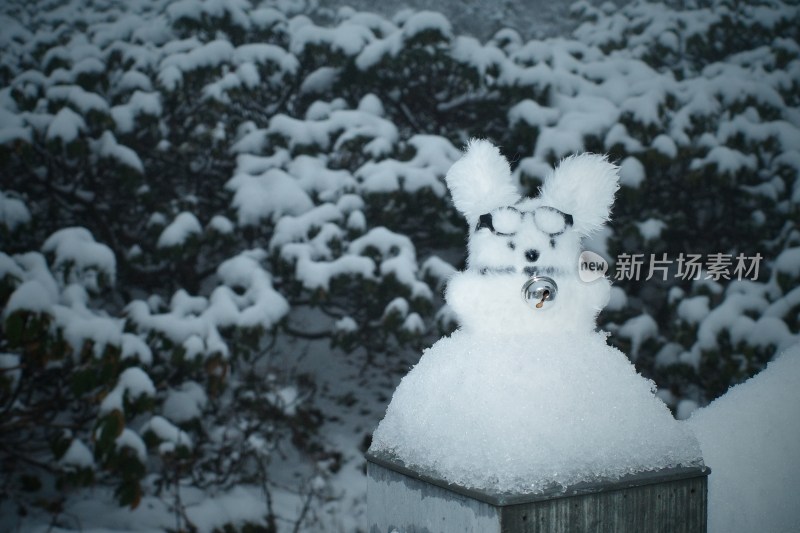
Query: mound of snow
[749, 438]
[490, 412]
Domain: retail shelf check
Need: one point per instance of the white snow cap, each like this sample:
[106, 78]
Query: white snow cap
[583, 186]
[481, 180]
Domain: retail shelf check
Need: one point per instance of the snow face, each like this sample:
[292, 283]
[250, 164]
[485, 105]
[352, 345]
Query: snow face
[756, 476]
[523, 399]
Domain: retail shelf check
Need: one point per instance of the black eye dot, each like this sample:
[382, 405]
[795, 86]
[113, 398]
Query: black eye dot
[512, 245]
[552, 243]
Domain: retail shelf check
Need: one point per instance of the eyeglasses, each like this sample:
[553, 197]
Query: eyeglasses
[506, 221]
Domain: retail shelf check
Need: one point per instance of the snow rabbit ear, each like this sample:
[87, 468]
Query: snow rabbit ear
[481, 181]
[582, 186]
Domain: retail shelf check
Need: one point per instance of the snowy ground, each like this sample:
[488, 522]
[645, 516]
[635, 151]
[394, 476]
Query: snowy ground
[352, 413]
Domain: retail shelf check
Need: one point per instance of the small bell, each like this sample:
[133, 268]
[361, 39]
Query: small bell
[539, 292]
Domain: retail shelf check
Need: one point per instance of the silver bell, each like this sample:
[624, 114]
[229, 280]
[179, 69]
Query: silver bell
[539, 292]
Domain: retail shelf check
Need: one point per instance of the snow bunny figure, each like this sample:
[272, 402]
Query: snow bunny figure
[526, 396]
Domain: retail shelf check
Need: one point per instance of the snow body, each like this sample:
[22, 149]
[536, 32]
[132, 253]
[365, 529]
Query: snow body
[522, 399]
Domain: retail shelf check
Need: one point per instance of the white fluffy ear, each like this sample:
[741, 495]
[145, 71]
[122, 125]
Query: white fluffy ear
[582, 186]
[481, 181]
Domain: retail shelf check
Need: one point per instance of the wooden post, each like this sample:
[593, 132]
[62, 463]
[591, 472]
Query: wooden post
[403, 500]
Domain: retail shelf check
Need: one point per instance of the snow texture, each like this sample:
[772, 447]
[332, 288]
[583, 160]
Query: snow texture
[110, 148]
[30, 296]
[79, 259]
[13, 212]
[521, 399]
[631, 172]
[10, 369]
[755, 476]
[267, 196]
[788, 261]
[285, 399]
[245, 299]
[693, 310]
[651, 228]
[132, 384]
[638, 329]
[129, 439]
[221, 225]
[179, 230]
[77, 456]
[346, 325]
[66, 126]
[185, 403]
[170, 435]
